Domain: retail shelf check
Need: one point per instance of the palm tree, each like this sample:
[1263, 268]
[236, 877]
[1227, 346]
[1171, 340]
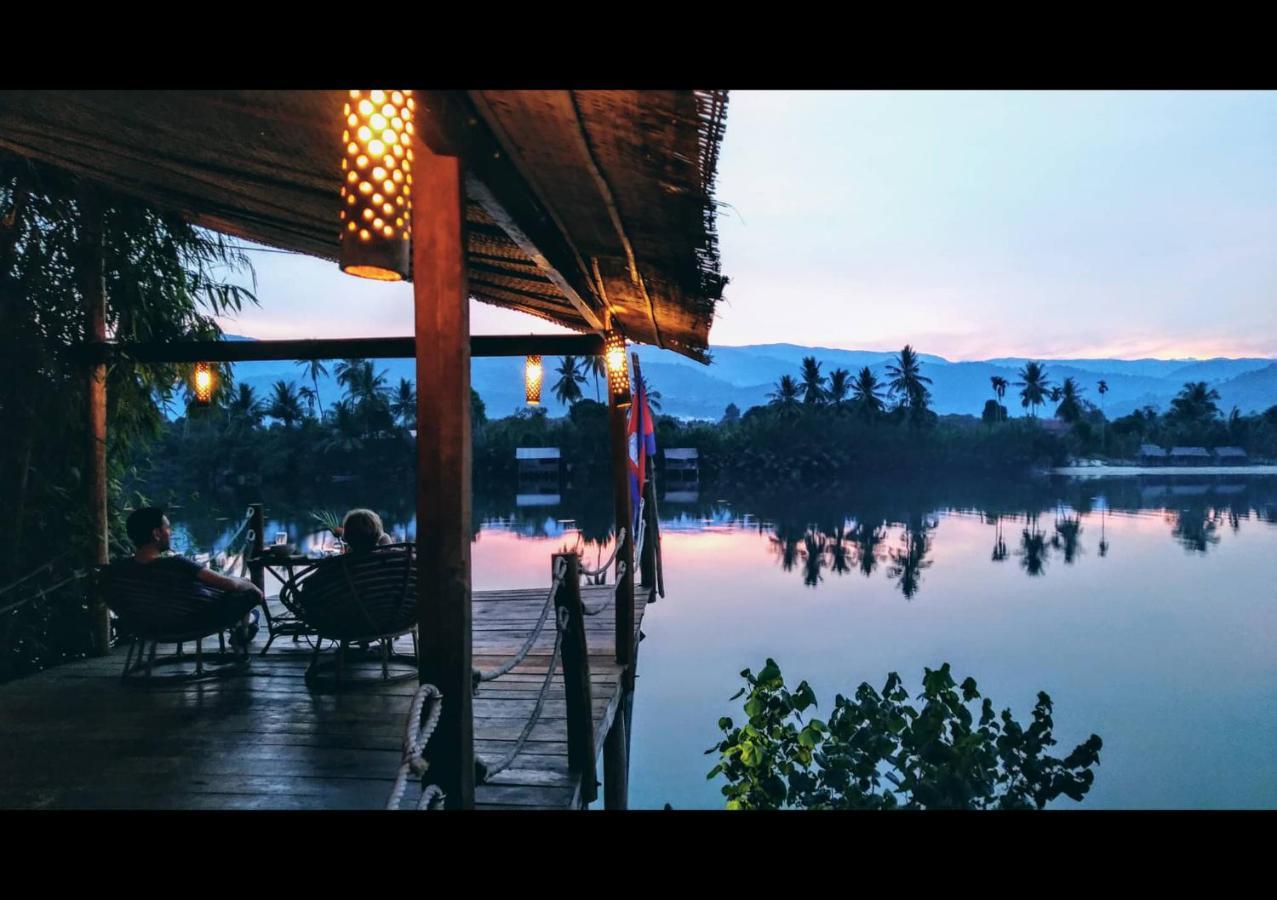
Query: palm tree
[403, 406]
[813, 382]
[1033, 385]
[568, 388]
[1103, 387]
[1195, 403]
[345, 434]
[653, 397]
[597, 366]
[285, 405]
[785, 393]
[348, 372]
[908, 382]
[839, 388]
[313, 368]
[245, 407]
[865, 396]
[310, 395]
[999, 386]
[1070, 408]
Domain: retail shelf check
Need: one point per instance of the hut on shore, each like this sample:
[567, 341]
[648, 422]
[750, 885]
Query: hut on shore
[1152, 455]
[1190, 456]
[1230, 456]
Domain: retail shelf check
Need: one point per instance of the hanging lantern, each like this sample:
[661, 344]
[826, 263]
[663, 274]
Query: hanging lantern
[203, 382]
[376, 189]
[532, 374]
[618, 372]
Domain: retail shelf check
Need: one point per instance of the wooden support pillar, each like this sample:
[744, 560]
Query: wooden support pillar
[256, 526]
[647, 558]
[624, 521]
[93, 285]
[442, 315]
[616, 765]
[576, 678]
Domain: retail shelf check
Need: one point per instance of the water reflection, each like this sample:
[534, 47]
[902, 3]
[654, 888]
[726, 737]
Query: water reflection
[878, 530]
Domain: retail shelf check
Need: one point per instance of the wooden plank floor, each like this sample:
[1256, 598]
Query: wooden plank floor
[76, 737]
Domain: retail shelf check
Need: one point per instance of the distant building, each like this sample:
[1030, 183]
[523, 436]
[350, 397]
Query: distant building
[540, 476]
[1190, 456]
[1230, 456]
[1151, 454]
[682, 470]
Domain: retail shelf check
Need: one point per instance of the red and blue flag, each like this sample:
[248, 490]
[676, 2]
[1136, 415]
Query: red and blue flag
[641, 435]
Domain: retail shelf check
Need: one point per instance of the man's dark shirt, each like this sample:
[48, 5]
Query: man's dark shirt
[176, 573]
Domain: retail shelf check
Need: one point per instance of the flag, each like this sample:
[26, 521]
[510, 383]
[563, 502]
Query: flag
[641, 436]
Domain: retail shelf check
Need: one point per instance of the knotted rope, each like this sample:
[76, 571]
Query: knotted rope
[480, 676]
[417, 734]
[620, 539]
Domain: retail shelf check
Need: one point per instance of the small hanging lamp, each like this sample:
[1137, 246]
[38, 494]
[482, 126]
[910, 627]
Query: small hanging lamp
[618, 372]
[532, 375]
[203, 382]
[376, 190]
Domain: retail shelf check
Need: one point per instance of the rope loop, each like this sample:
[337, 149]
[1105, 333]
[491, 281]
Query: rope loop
[417, 734]
[620, 539]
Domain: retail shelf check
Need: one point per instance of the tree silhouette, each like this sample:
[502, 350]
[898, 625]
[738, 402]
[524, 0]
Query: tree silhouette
[865, 396]
[285, 404]
[313, 368]
[1033, 385]
[839, 387]
[567, 389]
[813, 383]
[907, 382]
[1070, 408]
[784, 394]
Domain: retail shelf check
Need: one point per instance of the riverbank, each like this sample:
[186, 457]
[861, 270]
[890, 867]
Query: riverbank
[1110, 471]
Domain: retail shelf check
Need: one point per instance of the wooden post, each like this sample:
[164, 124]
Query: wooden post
[93, 285]
[647, 559]
[256, 568]
[624, 521]
[576, 678]
[442, 315]
[616, 767]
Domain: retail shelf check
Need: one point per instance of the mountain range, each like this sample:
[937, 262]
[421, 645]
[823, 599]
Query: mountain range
[744, 375]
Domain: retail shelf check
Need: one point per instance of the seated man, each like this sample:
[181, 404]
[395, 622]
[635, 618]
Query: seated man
[149, 530]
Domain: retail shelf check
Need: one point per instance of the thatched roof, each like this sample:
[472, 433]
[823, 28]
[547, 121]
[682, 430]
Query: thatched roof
[577, 201]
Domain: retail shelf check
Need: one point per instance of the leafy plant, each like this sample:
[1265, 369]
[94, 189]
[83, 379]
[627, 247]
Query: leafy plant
[880, 751]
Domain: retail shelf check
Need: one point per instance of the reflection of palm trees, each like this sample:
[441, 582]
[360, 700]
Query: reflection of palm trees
[1066, 536]
[999, 544]
[1033, 549]
[1196, 528]
[837, 547]
[813, 554]
[784, 544]
[866, 540]
[908, 562]
[1104, 544]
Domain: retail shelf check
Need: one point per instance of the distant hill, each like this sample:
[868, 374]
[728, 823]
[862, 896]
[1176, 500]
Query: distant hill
[745, 374]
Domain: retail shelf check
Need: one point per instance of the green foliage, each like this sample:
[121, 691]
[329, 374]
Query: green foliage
[882, 750]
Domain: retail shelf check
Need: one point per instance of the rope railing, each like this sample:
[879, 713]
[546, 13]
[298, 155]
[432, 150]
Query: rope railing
[41, 593]
[417, 734]
[620, 539]
[489, 769]
[480, 676]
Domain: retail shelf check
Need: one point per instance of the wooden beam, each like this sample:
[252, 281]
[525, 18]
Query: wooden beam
[336, 348]
[576, 677]
[442, 316]
[624, 525]
[93, 286]
[494, 180]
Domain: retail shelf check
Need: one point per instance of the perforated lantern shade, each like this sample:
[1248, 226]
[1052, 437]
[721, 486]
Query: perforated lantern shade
[618, 372]
[532, 376]
[203, 384]
[376, 190]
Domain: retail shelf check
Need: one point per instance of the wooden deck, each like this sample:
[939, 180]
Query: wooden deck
[76, 737]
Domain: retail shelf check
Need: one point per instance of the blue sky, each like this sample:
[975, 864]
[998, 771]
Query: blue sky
[971, 225]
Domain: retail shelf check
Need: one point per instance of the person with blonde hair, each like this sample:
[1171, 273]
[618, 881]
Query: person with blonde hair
[362, 530]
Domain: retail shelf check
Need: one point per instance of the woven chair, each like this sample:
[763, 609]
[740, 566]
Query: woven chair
[360, 598]
[152, 607]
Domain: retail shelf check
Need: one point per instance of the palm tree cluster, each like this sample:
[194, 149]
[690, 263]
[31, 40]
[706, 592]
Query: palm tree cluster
[862, 395]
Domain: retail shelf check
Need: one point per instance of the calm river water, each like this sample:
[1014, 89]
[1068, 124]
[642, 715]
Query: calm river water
[1146, 607]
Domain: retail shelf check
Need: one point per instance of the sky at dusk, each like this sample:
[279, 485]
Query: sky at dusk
[972, 225]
